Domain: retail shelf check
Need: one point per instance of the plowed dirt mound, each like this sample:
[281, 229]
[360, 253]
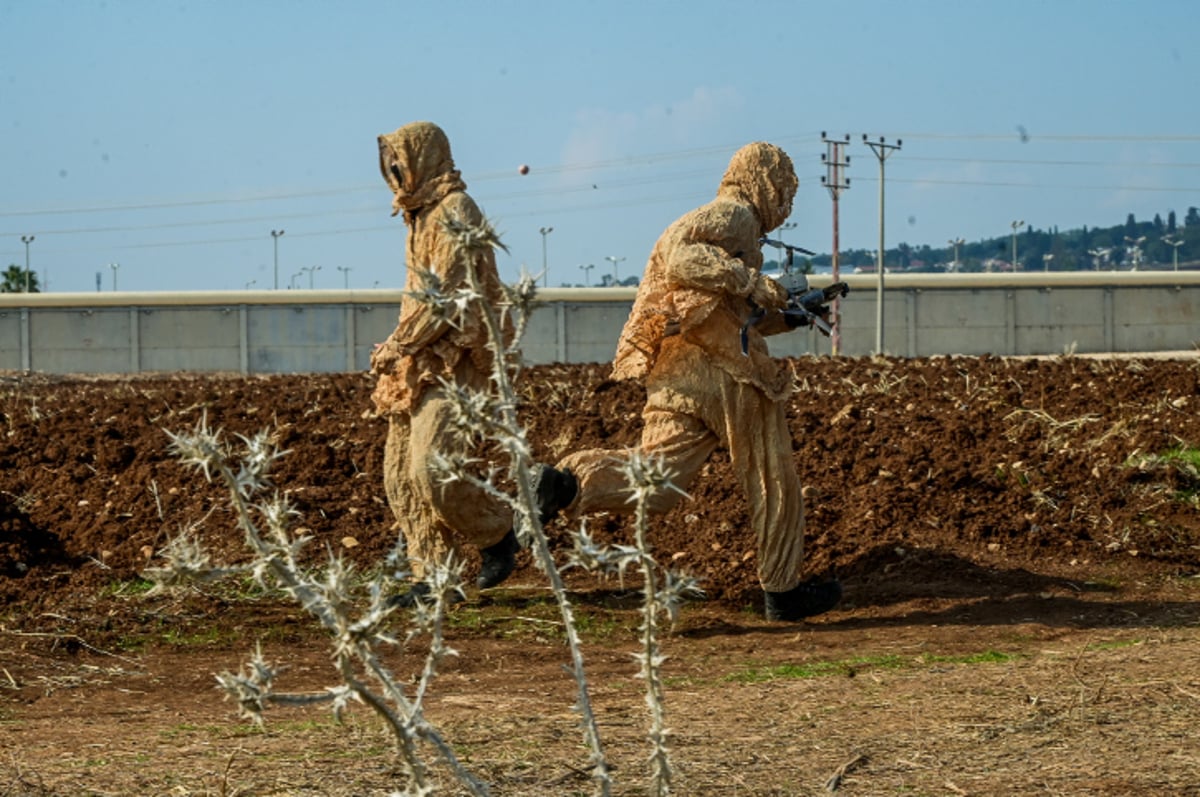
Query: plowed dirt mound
[1027, 462]
[1040, 511]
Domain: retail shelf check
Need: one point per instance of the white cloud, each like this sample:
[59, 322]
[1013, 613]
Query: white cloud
[601, 135]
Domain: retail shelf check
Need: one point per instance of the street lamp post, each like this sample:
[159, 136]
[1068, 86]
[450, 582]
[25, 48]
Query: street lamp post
[310, 270]
[955, 242]
[1046, 258]
[114, 267]
[1016, 225]
[27, 240]
[1171, 242]
[545, 268]
[275, 235]
[614, 260]
[1098, 256]
[345, 276]
[587, 276]
[1135, 250]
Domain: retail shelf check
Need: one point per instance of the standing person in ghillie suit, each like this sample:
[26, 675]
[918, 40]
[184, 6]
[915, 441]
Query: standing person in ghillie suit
[683, 337]
[427, 347]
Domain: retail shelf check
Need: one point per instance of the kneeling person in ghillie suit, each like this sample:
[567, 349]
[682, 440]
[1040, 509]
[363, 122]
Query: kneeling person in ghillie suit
[436, 516]
[684, 338]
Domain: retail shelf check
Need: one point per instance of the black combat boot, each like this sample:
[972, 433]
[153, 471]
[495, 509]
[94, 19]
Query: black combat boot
[807, 599]
[499, 561]
[417, 593]
[554, 490]
[420, 592]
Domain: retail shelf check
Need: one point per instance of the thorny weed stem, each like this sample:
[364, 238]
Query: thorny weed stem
[648, 475]
[650, 658]
[520, 301]
[275, 556]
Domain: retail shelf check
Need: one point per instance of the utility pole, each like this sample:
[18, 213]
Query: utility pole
[1016, 225]
[882, 150]
[345, 276]
[545, 269]
[275, 234]
[614, 260]
[836, 181]
[27, 240]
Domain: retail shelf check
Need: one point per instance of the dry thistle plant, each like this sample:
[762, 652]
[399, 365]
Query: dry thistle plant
[329, 595]
[647, 475]
[494, 417]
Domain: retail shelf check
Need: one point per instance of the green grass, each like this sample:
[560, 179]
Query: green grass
[818, 669]
[1183, 455]
[850, 667]
[598, 626]
[202, 638]
[223, 730]
[1185, 458]
[118, 589]
[986, 657]
[1175, 471]
[1115, 644]
[516, 614]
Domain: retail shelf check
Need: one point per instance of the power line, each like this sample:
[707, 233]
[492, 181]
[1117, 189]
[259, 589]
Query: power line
[655, 179]
[386, 227]
[589, 206]
[1032, 162]
[658, 179]
[182, 203]
[1087, 138]
[1009, 184]
[374, 209]
[641, 160]
[586, 190]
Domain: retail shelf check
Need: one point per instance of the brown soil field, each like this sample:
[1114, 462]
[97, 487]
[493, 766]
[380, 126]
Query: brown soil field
[1019, 541]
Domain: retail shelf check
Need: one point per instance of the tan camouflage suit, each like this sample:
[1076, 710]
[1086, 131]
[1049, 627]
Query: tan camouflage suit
[683, 338]
[436, 518]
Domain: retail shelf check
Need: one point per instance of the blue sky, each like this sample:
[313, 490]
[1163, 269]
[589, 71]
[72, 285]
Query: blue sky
[172, 137]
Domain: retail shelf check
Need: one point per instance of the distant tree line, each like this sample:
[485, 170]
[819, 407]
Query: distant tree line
[1134, 244]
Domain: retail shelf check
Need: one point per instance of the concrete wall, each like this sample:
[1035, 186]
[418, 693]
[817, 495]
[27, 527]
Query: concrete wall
[333, 331]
